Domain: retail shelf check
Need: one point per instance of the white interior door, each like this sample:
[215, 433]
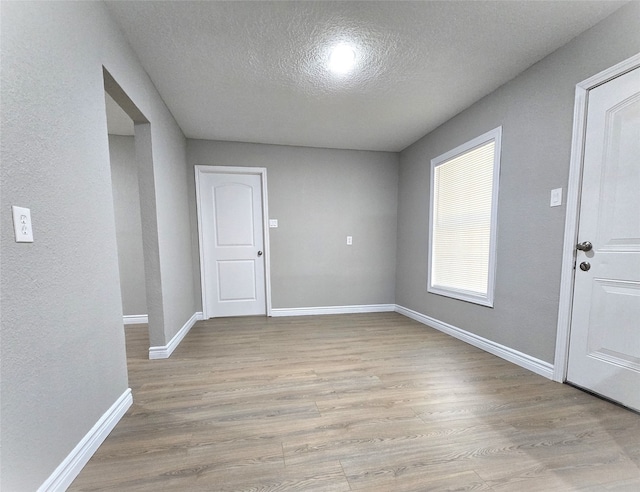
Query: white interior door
[232, 244]
[604, 347]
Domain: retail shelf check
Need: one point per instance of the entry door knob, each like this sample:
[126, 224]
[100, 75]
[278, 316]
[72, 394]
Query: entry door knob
[584, 246]
[259, 253]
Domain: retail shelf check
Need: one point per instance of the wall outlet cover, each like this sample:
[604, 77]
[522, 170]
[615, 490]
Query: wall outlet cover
[22, 224]
[556, 197]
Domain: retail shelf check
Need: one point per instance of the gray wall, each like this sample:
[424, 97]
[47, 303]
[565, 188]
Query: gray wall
[536, 112]
[126, 202]
[62, 354]
[174, 227]
[319, 197]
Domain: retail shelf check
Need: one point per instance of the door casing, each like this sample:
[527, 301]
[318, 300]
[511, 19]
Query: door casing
[573, 205]
[262, 172]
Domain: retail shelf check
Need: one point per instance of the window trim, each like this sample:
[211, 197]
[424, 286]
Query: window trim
[461, 294]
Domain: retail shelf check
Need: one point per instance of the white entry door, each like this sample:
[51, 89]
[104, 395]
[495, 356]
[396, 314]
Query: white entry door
[604, 347]
[230, 212]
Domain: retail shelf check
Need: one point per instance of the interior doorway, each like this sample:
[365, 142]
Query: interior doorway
[234, 240]
[598, 345]
[146, 207]
[126, 203]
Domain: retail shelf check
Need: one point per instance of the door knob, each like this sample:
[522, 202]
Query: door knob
[584, 246]
[585, 266]
[259, 253]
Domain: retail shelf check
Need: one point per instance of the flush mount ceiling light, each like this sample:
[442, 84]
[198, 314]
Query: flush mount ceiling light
[342, 59]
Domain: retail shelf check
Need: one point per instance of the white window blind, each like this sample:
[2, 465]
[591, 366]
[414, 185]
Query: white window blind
[462, 245]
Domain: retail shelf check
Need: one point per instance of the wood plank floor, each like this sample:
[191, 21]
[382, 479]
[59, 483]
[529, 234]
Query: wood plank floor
[365, 402]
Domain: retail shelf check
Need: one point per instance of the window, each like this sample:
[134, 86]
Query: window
[464, 202]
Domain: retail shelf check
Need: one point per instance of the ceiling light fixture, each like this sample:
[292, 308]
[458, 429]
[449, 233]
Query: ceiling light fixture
[342, 59]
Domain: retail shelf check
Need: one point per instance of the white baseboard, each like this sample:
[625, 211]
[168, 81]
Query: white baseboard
[313, 311]
[72, 465]
[135, 319]
[523, 360]
[165, 351]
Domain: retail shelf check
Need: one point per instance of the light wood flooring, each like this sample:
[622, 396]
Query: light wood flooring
[371, 402]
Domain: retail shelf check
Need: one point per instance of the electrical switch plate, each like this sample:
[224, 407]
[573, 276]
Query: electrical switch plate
[273, 223]
[22, 224]
[349, 240]
[556, 197]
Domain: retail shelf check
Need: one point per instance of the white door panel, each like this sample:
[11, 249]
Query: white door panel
[604, 349]
[236, 280]
[615, 300]
[233, 206]
[232, 243]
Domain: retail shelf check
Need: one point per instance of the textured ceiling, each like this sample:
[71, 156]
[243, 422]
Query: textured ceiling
[256, 71]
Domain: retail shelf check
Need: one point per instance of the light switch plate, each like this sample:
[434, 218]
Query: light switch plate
[273, 223]
[22, 224]
[349, 240]
[556, 197]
